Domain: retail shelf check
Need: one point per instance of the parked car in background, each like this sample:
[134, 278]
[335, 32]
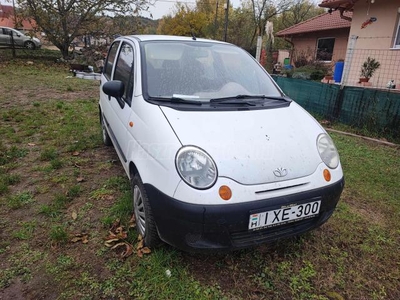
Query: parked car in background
[218, 157]
[20, 40]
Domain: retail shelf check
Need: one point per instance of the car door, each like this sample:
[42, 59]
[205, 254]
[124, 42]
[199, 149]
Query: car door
[118, 112]
[5, 36]
[19, 38]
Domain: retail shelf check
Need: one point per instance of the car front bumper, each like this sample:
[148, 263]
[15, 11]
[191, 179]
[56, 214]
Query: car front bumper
[194, 227]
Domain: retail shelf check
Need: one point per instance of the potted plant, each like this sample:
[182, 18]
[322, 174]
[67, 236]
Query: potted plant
[368, 68]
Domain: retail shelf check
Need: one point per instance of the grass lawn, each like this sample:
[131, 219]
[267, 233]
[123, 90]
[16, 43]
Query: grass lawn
[61, 190]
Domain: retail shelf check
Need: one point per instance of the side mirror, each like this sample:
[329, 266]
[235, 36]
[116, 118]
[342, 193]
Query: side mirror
[114, 88]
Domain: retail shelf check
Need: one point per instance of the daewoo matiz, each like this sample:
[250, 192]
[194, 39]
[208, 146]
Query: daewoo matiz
[218, 157]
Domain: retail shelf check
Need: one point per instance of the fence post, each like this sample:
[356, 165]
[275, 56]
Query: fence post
[347, 67]
[12, 43]
[348, 60]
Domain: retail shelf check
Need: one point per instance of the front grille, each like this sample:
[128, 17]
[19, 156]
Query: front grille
[244, 238]
[281, 188]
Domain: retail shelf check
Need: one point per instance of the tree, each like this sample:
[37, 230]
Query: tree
[185, 22]
[241, 27]
[63, 20]
[300, 11]
[263, 10]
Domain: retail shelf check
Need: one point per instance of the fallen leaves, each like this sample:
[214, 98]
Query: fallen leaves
[80, 237]
[127, 249]
[141, 249]
[117, 240]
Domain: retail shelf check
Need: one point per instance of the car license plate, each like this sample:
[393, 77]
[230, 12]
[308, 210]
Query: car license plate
[284, 215]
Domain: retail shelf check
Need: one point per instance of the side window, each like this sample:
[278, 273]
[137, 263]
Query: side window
[112, 53]
[124, 70]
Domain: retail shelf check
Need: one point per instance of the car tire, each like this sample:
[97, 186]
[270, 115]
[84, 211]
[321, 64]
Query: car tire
[145, 224]
[30, 45]
[106, 138]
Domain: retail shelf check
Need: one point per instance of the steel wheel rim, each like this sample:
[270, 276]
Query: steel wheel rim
[30, 45]
[140, 214]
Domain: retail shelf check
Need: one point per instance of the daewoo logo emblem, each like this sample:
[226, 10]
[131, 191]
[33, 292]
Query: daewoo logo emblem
[280, 172]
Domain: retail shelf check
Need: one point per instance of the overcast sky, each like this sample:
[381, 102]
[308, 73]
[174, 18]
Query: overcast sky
[161, 8]
[164, 7]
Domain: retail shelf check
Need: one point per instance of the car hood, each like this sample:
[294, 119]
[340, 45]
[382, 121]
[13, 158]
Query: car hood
[255, 146]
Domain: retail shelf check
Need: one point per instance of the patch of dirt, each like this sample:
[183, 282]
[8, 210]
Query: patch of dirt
[363, 209]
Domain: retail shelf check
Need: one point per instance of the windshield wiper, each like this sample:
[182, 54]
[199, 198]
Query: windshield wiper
[238, 97]
[232, 101]
[176, 100]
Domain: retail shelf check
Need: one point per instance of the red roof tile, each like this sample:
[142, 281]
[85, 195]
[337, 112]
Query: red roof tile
[9, 22]
[325, 21]
[7, 19]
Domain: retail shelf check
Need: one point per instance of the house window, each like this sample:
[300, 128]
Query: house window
[325, 49]
[397, 36]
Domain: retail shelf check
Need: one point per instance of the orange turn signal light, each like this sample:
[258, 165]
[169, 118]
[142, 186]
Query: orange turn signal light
[327, 175]
[225, 192]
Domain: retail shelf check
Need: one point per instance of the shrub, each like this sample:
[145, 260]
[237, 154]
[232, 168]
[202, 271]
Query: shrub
[314, 71]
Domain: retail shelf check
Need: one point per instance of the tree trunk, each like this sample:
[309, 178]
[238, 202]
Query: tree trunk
[64, 50]
[270, 60]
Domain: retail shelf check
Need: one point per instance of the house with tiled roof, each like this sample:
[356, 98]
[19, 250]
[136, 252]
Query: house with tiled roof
[323, 37]
[374, 33]
[7, 19]
[5, 11]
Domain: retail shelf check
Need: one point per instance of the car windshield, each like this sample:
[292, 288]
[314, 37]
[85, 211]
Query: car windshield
[201, 71]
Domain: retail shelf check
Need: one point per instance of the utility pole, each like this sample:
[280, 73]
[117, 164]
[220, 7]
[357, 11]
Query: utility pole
[226, 19]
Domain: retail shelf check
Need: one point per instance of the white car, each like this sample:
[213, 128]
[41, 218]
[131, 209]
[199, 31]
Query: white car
[218, 157]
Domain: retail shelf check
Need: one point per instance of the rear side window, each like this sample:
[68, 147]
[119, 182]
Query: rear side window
[124, 70]
[110, 60]
[6, 31]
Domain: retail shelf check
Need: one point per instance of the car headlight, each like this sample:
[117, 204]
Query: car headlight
[196, 167]
[327, 151]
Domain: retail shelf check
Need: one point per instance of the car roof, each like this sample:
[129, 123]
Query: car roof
[149, 37]
[10, 28]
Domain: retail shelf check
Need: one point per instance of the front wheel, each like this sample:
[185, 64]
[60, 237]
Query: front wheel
[30, 45]
[144, 216]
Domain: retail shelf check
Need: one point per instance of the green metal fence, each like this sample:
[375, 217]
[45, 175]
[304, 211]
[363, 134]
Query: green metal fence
[373, 109]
